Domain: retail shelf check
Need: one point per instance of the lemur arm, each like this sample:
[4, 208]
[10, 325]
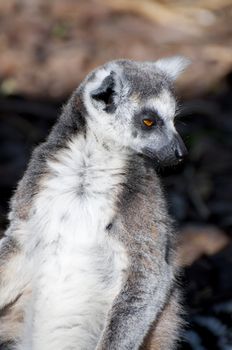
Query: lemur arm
[164, 334]
[137, 306]
[14, 271]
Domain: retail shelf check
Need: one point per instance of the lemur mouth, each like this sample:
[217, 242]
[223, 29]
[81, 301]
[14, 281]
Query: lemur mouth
[171, 154]
[164, 159]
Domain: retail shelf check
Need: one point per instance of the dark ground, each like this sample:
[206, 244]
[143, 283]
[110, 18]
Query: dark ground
[199, 192]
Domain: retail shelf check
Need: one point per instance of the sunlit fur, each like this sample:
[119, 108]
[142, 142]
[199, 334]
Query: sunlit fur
[87, 260]
[118, 126]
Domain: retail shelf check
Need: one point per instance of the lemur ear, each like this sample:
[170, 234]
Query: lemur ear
[105, 93]
[173, 66]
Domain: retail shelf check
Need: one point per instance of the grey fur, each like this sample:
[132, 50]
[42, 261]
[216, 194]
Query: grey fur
[141, 222]
[149, 285]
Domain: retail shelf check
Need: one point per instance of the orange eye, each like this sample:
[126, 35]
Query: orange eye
[148, 122]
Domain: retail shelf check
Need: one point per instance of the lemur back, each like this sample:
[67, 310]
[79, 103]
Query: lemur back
[88, 260]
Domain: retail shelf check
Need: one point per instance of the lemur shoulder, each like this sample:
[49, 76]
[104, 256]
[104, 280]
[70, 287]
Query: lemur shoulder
[88, 259]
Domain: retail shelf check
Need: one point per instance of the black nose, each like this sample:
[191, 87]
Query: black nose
[179, 148]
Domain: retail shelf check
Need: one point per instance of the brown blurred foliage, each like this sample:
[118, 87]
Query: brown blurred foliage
[47, 47]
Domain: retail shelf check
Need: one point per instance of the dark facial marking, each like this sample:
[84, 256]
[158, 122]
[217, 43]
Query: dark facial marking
[149, 114]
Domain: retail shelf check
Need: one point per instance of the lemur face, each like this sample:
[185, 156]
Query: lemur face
[132, 105]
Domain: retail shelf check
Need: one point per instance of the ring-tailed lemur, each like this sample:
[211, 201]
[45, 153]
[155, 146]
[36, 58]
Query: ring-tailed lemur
[87, 261]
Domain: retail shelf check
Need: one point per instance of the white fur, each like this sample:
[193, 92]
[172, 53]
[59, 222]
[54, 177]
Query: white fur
[112, 129]
[118, 128]
[17, 266]
[164, 104]
[173, 66]
[79, 268]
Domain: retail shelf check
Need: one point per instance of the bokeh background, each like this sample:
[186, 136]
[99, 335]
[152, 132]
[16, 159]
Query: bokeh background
[48, 46]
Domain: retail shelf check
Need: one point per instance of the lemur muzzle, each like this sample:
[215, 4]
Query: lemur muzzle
[179, 148]
[172, 153]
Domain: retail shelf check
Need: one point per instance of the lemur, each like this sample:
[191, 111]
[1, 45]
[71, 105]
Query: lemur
[88, 259]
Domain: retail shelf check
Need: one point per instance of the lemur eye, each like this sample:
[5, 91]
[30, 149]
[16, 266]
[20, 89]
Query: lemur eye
[148, 122]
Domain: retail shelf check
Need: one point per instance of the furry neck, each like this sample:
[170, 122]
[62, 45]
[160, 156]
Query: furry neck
[84, 182]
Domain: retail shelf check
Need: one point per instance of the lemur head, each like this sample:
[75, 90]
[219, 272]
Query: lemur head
[131, 104]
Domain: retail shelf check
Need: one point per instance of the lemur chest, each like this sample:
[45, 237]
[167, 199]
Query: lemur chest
[80, 267]
[79, 195]
[78, 247]
[75, 286]
[76, 205]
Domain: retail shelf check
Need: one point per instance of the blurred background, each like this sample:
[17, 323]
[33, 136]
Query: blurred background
[48, 46]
